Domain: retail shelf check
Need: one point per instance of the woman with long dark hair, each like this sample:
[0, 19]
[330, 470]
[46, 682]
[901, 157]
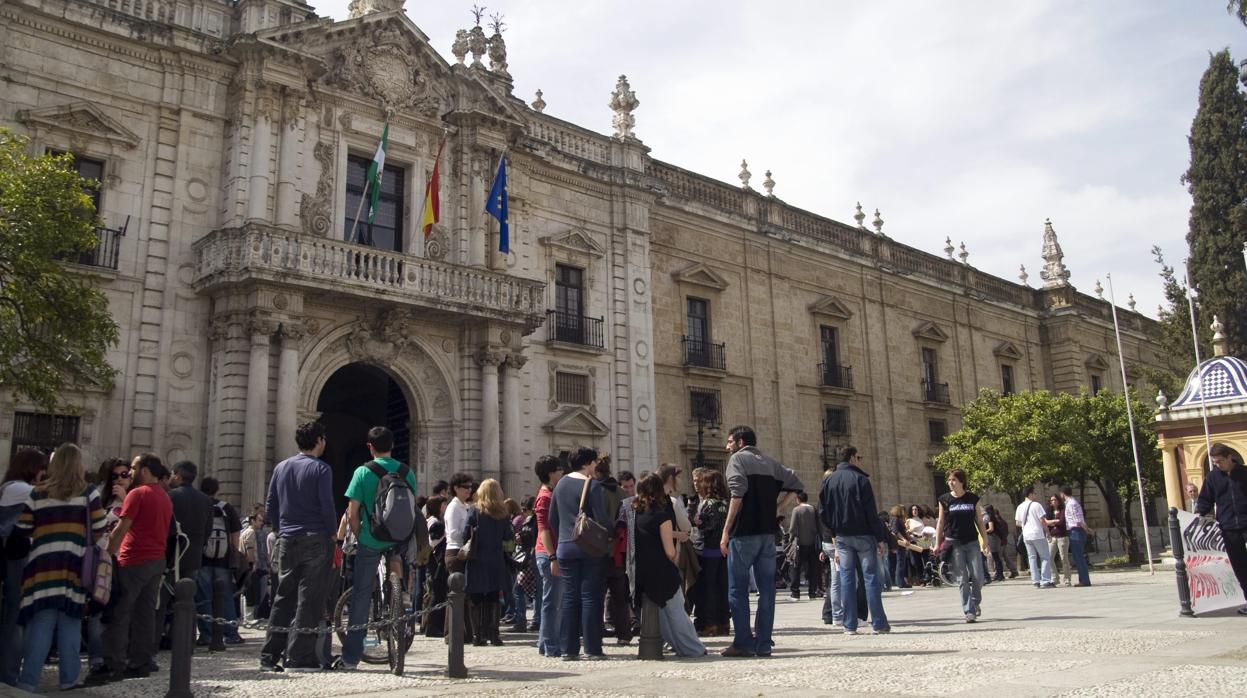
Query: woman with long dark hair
[710, 591]
[112, 482]
[652, 536]
[960, 525]
[435, 573]
[25, 470]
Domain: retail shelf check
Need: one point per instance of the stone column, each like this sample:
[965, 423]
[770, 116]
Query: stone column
[479, 237]
[288, 164]
[258, 169]
[255, 434]
[512, 436]
[1173, 478]
[489, 359]
[287, 389]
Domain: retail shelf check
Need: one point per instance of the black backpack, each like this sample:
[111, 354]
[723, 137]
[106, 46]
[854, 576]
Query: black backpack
[393, 518]
[527, 537]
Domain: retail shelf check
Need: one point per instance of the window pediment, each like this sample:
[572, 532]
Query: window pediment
[1008, 350]
[79, 119]
[831, 306]
[1096, 362]
[578, 421]
[576, 241]
[701, 275]
[931, 331]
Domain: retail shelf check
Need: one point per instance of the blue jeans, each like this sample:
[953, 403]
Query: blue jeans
[205, 579]
[1041, 561]
[833, 611]
[854, 551]
[363, 581]
[967, 561]
[1077, 551]
[519, 603]
[901, 570]
[582, 604]
[756, 554]
[549, 609]
[10, 631]
[39, 630]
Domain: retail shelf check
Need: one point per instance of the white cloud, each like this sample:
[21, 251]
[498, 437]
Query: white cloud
[973, 119]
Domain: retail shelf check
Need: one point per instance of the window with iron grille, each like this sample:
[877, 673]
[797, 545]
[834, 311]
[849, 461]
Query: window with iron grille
[43, 431]
[836, 421]
[703, 404]
[937, 429]
[571, 388]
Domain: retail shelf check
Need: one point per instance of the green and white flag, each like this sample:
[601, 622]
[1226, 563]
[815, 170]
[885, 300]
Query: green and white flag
[375, 170]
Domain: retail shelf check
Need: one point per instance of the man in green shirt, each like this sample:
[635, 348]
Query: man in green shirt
[361, 494]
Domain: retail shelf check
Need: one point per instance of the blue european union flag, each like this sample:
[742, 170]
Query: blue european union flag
[497, 206]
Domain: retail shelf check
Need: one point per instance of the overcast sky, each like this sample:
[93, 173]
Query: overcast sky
[969, 119]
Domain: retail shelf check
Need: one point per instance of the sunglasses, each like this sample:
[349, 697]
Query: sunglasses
[121, 475]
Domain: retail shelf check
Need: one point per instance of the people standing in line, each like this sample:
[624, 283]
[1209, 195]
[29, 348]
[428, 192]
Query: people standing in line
[456, 519]
[112, 482]
[435, 567]
[618, 603]
[581, 615]
[486, 571]
[549, 637]
[526, 588]
[960, 524]
[833, 609]
[300, 502]
[1225, 489]
[55, 516]
[713, 613]
[627, 483]
[192, 510]
[219, 563]
[686, 560]
[849, 511]
[1076, 522]
[757, 485]
[361, 496]
[1058, 539]
[917, 533]
[1030, 520]
[651, 532]
[138, 543]
[253, 542]
[26, 469]
[803, 527]
[899, 558]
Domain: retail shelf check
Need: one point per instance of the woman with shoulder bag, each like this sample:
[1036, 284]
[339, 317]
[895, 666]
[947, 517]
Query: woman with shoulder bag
[487, 568]
[63, 517]
[458, 532]
[578, 511]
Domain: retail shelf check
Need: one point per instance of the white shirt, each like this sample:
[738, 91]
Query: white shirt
[15, 492]
[1029, 517]
[456, 524]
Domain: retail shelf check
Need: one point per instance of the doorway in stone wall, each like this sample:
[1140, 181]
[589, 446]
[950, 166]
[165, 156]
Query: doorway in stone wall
[356, 398]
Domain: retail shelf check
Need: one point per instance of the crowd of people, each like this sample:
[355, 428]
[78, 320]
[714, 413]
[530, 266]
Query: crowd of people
[585, 553]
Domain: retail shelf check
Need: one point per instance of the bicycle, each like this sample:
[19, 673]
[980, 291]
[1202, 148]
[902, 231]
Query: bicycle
[390, 625]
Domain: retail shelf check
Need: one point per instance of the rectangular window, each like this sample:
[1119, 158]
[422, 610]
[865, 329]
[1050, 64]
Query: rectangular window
[569, 290]
[698, 320]
[87, 168]
[830, 339]
[930, 367]
[386, 230]
[939, 483]
[1096, 384]
[1006, 379]
[703, 404]
[43, 432]
[836, 421]
[937, 429]
[571, 388]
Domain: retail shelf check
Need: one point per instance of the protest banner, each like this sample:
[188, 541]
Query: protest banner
[1211, 579]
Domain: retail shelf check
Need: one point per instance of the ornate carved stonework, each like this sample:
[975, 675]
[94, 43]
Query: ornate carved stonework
[623, 103]
[385, 68]
[435, 246]
[315, 211]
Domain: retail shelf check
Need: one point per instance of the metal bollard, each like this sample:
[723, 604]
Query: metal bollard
[455, 668]
[650, 646]
[1179, 557]
[220, 597]
[182, 639]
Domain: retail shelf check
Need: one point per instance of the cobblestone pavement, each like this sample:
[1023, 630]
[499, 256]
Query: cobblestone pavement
[1121, 637]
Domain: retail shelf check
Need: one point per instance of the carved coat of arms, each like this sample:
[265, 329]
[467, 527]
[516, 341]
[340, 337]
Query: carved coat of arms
[382, 65]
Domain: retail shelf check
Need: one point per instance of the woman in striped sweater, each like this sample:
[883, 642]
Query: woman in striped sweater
[53, 599]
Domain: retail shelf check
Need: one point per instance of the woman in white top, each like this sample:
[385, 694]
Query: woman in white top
[457, 519]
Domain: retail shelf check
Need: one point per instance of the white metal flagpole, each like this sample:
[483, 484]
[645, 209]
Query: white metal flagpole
[1134, 445]
[1191, 294]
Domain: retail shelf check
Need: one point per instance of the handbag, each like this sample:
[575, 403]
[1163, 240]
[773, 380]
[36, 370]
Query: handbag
[97, 569]
[593, 539]
[468, 551]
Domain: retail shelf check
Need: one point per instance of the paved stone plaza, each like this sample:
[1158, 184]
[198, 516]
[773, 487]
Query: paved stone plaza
[1121, 637]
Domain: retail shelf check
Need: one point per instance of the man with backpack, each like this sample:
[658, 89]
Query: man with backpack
[218, 563]
[381, 511]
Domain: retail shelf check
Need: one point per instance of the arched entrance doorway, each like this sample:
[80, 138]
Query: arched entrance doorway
[356, 398]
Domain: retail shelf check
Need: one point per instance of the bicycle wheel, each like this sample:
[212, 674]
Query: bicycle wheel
[374, 642]
[395, 644]
[948, 575]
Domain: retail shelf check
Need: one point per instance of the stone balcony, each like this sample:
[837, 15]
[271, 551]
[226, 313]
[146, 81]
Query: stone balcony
[257, 253]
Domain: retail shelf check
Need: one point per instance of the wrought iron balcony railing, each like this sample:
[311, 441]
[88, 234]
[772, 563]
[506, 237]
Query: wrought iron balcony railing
[835, 376]
[704, 354]
[935, 392]
[575, 329]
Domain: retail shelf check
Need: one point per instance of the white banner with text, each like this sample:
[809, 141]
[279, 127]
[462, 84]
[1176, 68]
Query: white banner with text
[1211, 579]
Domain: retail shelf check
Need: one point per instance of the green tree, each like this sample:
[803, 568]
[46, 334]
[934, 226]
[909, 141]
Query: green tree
[1238, 8]
[1173, 334]
[55, 328]
[1217, 181]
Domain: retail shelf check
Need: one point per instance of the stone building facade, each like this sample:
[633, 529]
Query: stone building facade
[640, 308]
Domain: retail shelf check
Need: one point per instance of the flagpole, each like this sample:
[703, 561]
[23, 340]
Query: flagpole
[1134, 445]
[1191, 294]
[358, 210]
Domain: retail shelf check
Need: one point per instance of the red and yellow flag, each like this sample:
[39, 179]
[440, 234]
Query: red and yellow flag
[432, 207]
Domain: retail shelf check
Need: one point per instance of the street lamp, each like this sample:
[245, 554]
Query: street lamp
[707, 420]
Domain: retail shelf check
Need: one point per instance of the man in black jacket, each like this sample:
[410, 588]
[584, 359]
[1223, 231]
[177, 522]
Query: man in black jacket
[1226, 488]
[847, 504]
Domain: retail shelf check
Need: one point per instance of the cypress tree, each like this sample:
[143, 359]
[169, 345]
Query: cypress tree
[1217, 181]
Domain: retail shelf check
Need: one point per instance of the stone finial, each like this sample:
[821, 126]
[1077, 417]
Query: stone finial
[1131, 302]
[623, 103]
[859, 216]
[1219, 343]
[539, 104]
[1054, 273]
[745, 174]
[948, 247]
[878, 223]
[1022, 275]
[1162, 402]
[498, 48]
[963, 254]
[1099, 290]
[460, 47]
[769, 185]
[478, 45]
[359, 8]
